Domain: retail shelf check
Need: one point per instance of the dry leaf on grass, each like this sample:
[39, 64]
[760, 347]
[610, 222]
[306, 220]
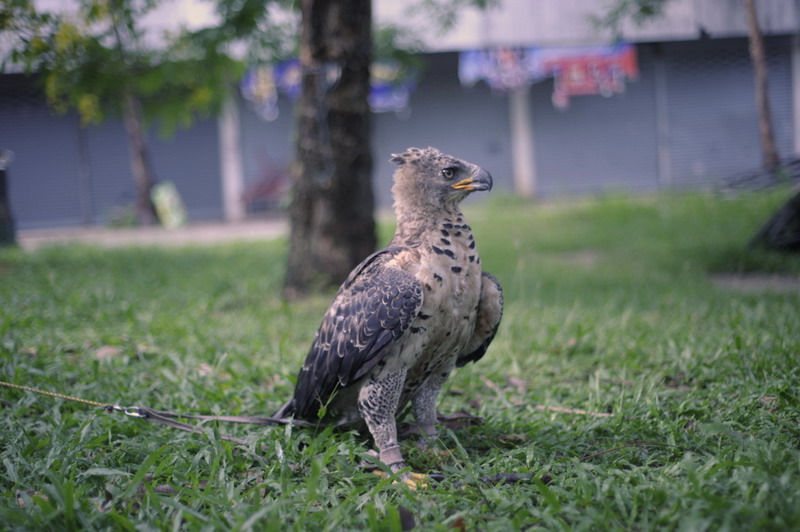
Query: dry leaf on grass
[575, 411]
[520, 385]
[107, 351]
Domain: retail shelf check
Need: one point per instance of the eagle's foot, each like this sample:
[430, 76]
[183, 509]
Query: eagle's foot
[391, 457]
[398, 468]
[411, 479]
[415, 480]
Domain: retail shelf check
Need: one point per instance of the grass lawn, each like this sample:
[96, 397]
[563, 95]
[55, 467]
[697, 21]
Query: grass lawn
[640, 394]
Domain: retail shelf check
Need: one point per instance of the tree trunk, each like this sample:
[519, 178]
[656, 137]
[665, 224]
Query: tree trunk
[8, 234]
[331, 215]
[782, 230]
[770, 152]
[140, 163]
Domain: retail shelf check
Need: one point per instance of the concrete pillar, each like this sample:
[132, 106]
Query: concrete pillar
[230, 159]
[796, 94]
[523, 154]
[664, 159]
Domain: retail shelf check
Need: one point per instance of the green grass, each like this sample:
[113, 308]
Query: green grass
[609, 310]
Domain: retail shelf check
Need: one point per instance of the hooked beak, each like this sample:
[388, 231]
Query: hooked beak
[479, 180]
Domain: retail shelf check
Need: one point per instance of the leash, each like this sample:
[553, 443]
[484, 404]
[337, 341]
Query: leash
[170, 419]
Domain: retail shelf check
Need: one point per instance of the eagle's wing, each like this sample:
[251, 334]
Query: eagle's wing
[490, 311]
[371, 311]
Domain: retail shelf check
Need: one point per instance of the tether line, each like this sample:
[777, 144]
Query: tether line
[169, 418]
[107, 406]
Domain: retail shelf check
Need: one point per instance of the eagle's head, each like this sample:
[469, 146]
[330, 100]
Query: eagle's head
[431, 178]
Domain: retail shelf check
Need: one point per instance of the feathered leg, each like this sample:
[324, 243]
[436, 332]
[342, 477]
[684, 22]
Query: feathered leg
[377, 402]
[424, 405]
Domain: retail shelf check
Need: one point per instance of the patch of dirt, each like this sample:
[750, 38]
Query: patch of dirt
[756, 283]
[198, 234]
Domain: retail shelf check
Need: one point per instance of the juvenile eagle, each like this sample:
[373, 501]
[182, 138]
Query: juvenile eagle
[408, 314]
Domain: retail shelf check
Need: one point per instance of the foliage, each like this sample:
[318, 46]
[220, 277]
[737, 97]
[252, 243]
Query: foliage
[87, 57]
[91, 56]
[398, 45]
[445, 13]
[609, 310]
[639, 11]
[258, 31]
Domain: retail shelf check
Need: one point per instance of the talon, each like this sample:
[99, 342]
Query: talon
[413, 480]
[416, 481]
[379, 473]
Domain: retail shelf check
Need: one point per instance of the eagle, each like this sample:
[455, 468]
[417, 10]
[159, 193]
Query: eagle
[407, 315]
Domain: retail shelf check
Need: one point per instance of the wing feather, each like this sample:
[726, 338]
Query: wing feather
[371, 311]
[490, 312]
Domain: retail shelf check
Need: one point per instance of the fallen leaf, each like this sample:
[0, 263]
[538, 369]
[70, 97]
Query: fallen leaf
[459, 524]
[29, 493]
[107, 351]
[490, 384]
[519, 384]
[165, 489]
[514, 437]
[562, 410]
[770, 400]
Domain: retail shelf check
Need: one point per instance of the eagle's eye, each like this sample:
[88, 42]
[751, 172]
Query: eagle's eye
[448, 173]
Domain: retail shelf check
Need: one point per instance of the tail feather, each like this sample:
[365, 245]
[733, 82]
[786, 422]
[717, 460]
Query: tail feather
[287, 410]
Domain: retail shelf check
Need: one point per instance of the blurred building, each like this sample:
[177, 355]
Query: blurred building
[686, 117]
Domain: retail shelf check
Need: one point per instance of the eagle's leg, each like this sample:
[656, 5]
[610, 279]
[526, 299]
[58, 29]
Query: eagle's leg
[424, 406]
[377, 401]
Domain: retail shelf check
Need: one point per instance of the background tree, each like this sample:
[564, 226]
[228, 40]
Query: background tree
[331, 214]
[782, 230]
[97, 58]
[769, 150]
[8, 233]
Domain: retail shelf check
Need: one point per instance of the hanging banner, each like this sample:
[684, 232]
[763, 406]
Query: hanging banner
[591, 70]
[391, 86]
[503, 69]
[578, 70]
